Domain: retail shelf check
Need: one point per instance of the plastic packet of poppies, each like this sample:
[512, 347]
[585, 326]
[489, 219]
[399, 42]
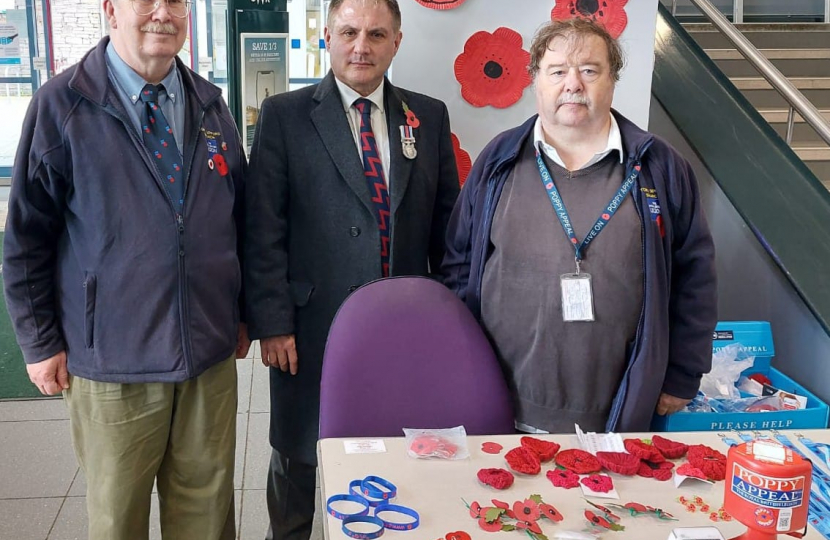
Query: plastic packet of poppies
[450, 443]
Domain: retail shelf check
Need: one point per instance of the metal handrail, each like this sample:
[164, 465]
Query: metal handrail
[798, 103]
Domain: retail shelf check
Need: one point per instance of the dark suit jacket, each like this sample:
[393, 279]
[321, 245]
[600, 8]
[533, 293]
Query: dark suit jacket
[312, 237]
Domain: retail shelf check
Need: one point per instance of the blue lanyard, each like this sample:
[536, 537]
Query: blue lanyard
[609, 211]
[819, 506]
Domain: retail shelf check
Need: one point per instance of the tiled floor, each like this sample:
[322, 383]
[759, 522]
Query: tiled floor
[42, 490]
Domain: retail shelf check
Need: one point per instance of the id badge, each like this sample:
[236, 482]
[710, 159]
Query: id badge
[577, 297]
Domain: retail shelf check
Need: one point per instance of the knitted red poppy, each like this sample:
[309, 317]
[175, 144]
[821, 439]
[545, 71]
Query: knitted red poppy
[578, 461]
[544, 449]
[523, 460]
[670, 449]
[563, 478]
[619, 462]
[708, 460]
[643, 450]
[687, 470]
[658, 471]
[600, 483]
[497, 478]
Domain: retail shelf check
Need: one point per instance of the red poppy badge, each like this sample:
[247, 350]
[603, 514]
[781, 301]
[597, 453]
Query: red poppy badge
[492, 69]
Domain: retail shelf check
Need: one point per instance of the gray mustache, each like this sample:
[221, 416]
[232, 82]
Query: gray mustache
[159, 28]
[578, 99]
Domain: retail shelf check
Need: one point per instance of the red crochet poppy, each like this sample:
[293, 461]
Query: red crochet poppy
[643, 450]
[670, 449]
[544, 449]
[491, 448]
[687, 470]
[462, 161]
[658, 471]
[550, 512]
[563, 478]
[608, 13]
[492, 69]
[524, 461]
[497, 478]
[708, 460]
[619, 462]
[440, 4]
[578, 461]
[600, 483]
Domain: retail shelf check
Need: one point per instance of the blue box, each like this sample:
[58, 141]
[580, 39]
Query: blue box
[754, 339]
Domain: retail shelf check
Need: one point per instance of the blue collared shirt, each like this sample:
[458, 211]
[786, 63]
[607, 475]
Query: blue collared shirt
[129, 85]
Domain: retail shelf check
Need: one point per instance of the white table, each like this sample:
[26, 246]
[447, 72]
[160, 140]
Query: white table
[435, 488]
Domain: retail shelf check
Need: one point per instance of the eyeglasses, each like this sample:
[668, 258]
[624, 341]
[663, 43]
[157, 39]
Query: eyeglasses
[176, 8]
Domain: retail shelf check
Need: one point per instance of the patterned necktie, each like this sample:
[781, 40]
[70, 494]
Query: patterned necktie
[159, 140]
[373, 170]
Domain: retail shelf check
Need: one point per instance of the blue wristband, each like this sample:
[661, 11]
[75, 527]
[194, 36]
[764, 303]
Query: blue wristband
[356, 490]
[369, 490]
[386, 507]
[352, 498]
[363, 519]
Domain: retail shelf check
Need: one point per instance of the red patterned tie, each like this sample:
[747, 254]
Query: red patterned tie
[373, 170]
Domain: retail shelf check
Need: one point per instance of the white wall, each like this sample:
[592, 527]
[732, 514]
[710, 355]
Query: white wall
[432, 39]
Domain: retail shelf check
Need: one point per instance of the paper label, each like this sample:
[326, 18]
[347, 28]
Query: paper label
[364, 446]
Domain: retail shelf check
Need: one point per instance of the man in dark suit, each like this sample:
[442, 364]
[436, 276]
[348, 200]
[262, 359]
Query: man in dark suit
[350, 180]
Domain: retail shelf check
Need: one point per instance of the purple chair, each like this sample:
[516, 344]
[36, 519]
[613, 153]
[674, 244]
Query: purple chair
[406, 352]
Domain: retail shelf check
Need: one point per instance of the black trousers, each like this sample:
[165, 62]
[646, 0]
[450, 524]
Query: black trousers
[290, 496]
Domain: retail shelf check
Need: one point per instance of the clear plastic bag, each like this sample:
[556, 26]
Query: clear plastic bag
[727, 365]
[450, 443]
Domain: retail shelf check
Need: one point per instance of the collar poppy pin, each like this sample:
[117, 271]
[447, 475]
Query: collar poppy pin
[411, 120]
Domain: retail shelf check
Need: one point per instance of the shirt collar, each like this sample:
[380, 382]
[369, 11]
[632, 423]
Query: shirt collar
[132, 83]
[348, 95]
[614, 143]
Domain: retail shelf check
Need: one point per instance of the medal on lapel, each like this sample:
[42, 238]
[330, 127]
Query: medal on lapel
[408, 133]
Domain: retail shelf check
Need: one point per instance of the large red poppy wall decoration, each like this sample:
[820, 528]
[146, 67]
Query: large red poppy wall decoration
[609, 13]
[492, 69]
[463, 162]
[440, 4]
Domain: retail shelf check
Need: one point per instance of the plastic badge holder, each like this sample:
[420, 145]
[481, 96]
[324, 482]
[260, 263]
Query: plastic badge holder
[450, 443]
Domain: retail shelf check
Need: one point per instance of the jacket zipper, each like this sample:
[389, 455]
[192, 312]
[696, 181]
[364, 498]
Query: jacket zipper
[619, 399]
[184, 312]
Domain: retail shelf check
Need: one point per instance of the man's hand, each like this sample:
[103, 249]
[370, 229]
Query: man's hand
[670, 404]
[50, 375]
[243, 343]
[280, 351]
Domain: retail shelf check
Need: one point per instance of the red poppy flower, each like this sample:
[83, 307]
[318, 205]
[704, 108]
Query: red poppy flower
[523, 461]
[440, 4]
[658, 471]
[550, 512]
[494, 526]
[491, 448]
[708, 460]
[597, 520]
[531, 526]
[578, 461]
[544, 449]
[643, 450]
[563, 478]
[526, 510]
[619, 462]
[464, 164]
[497, 478]
[221, 164]
[687, 470]
[608, 13]
[424, 445]
[598, 482]
[670, 449]
[504, 506]
[457, 535]
[475, 510]
[636, 508]
[492, 69]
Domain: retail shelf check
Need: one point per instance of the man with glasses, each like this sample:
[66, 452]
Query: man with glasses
[122, 275]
